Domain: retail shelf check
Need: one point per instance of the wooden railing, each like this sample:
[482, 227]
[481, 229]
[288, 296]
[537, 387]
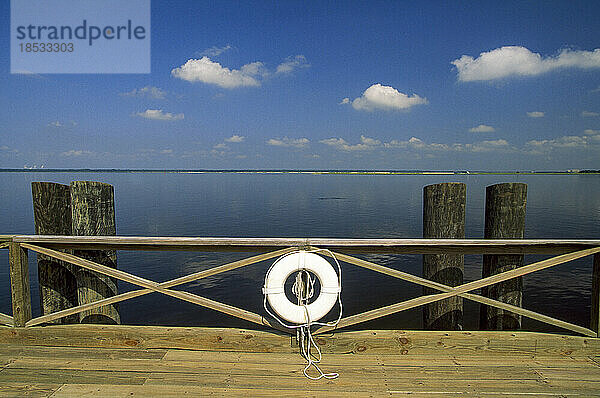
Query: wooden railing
[565, 251]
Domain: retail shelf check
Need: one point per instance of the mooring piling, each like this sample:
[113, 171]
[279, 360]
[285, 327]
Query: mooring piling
[52, 216]
[444, 217]
[505, 206]
[93, 213]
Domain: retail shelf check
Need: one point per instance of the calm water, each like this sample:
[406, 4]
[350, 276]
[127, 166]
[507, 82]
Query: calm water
[299, 205]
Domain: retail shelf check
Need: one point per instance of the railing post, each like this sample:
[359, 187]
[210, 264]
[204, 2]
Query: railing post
[444, 217]
[19, 284]
[505, 206]
[595, 324]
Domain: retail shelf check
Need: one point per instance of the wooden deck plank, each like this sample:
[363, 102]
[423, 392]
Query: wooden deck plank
[86, 390]
[31, 389]
[118, 391]
[359, 342]
[492, 387]
[261, 383]
[498, 360]
[79, 352]
[428, 364]
[193, 368]
[272, 378]
[506, 385]
[62, 376]
[578, 374]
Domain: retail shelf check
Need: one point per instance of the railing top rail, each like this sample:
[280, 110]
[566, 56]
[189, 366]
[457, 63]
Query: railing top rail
[398, 246]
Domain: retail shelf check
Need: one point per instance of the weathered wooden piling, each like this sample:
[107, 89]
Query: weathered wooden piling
[505, 206]
[444, 217]
[93, 213]
[52, 216]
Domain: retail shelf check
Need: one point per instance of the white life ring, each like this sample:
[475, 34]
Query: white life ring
[283, 268]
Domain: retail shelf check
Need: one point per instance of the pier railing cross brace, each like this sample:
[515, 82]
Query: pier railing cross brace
[151, 286]
[461, 291]
[287, 245]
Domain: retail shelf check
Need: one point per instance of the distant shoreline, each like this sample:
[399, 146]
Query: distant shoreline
[289, 171]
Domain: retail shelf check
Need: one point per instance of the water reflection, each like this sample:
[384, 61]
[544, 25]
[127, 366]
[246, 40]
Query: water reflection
[281, 205]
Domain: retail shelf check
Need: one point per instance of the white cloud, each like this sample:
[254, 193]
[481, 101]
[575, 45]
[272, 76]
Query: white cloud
[369, 141]
[482, 128]
[148, 91]
[75, 153]
[386, 98]
[416, 144]
[289, 142]
[26, 73]
[590, 140]
[589, 114]
[292, 63]
[250, 75]
[344, 101]
[519, 61]
[235, 138]
[488, 146]
[596, 90]
[220, 146]
[571, 141]
[341, 144]
[58, 124]
[536, 114]
[215, 51]
[166, 151]
[6, 149]
[158, 114]
[206, 71]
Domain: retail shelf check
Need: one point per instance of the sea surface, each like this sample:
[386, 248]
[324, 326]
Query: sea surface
[311, 205]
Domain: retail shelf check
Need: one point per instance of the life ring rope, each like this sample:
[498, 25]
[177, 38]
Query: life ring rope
[276, 287]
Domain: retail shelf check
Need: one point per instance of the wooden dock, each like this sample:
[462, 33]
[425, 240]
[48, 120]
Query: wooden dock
[125, 361]
[39, 358]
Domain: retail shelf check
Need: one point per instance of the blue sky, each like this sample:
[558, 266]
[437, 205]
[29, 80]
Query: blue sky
[312, 85]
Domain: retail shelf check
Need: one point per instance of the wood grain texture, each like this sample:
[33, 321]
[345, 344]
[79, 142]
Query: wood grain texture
[6, 320]
[19, 284]
[368, 342]
[386, 363]
[93, 213]
[401, 246]
[444, 217]
[505, 208]
[52, 216]
[31, 388]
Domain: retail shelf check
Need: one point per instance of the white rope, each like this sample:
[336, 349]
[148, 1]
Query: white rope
[303, 333]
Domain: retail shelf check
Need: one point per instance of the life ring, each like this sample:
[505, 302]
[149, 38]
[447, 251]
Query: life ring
[283, 268]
